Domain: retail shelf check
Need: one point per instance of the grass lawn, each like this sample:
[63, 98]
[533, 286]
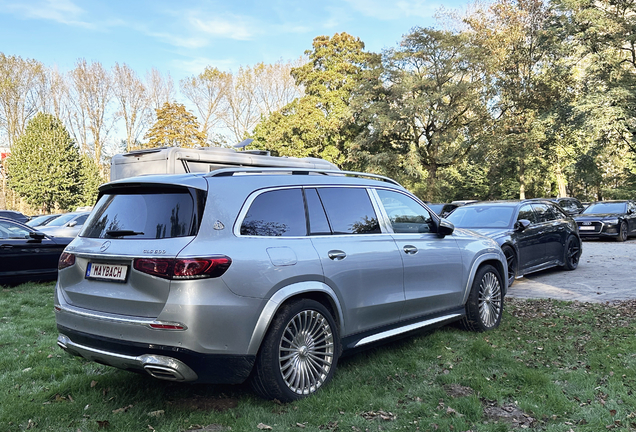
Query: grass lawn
[551, 366]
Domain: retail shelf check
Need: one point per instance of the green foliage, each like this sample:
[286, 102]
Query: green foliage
[319, 124]
[175, 127]
[424, 107]
[45, 167]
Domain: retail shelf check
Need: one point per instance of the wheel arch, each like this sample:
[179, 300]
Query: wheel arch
[497, 260]
[316, 291]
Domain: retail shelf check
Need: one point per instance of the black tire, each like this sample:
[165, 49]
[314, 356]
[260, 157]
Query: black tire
[485, 301]
[572, 253]
[511, 259]
[622, 232]
[299, 353]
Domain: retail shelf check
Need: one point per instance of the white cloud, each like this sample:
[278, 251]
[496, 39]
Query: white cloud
[384, 10]
[233, 27]
[61, 11]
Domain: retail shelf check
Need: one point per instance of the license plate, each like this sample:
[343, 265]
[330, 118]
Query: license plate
[110, 272]
[586, 228]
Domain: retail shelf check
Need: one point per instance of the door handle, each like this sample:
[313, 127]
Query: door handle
[336, 255]
[411, 250]
[6, 246]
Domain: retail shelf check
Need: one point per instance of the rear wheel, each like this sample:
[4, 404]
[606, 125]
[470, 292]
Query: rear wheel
[299, 353]
[511, 259]
[622, 232]
[572, 253]
[485, 301]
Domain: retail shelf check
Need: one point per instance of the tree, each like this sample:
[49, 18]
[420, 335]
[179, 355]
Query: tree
[320, 123]
[175, 127]
[22, 87]
[424, 107]
[133, 102]
[45, 167]
[160, 89]
[91, 93]
[208, 91]
[526, 53]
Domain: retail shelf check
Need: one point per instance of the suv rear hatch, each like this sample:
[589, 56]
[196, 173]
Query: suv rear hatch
[134, 233]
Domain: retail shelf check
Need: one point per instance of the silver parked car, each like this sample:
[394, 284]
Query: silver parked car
[266, 274]
[65, 225]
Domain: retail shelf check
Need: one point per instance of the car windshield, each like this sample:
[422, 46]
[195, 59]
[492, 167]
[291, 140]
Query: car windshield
[482, 216]
[40, 220]
[59, 221]
[609, 207]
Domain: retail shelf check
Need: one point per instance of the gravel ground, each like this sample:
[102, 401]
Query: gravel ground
[606, 273]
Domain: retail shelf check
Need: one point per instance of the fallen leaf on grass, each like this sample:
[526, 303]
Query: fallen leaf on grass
[103, 424]
[121, 410]
[262, 426]
[383, 415]
[93, 383]
[157, 413]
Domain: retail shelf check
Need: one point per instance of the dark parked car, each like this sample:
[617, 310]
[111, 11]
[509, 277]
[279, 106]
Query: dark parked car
[42, 220]
[442, 209]
[15, 215]
[26, 254]
[571, 206]
[533, 234]
[608, 219]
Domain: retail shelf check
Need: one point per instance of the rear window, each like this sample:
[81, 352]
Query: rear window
[143, 214]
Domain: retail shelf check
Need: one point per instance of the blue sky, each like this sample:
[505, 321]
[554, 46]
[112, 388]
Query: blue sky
[182, 37]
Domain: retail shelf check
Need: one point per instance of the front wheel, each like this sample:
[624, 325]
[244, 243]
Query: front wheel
[299, 353]
[485, 301]
[622, 232]
[572, 253]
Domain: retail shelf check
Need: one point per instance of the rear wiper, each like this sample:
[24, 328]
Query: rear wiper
[122, 233]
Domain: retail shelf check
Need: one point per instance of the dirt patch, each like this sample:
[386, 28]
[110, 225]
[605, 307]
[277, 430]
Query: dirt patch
[203, 403]
[509, 413]
[456, 390]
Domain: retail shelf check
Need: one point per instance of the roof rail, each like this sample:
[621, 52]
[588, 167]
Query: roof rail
[227, 172]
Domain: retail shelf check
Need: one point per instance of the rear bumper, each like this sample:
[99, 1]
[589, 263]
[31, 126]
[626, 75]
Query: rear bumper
[162, 362]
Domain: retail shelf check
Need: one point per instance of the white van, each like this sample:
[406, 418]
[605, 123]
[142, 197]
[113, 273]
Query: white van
[177, 160]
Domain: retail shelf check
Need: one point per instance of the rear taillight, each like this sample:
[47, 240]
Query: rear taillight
[183, 268]
[66, 260]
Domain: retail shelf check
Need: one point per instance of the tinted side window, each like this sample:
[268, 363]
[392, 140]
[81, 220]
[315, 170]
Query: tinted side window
[349, 210]
[276, 213]
[525, 212]
[318, 224]
[151, 213]
[12, 231]
[406, 214]
[543, 212]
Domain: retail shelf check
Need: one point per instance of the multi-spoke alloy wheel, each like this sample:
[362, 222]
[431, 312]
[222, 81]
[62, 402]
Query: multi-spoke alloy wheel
[489, 299]
[299, 353]
[306, 352]
[485, 301]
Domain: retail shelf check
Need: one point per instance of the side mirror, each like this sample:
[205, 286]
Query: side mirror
[522, 224]
[445, 228]
[71, 224]
[36, 235]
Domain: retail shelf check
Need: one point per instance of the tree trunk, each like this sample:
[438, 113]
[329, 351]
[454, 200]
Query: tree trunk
[522, 179]
[431, 183]
[561, 183]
